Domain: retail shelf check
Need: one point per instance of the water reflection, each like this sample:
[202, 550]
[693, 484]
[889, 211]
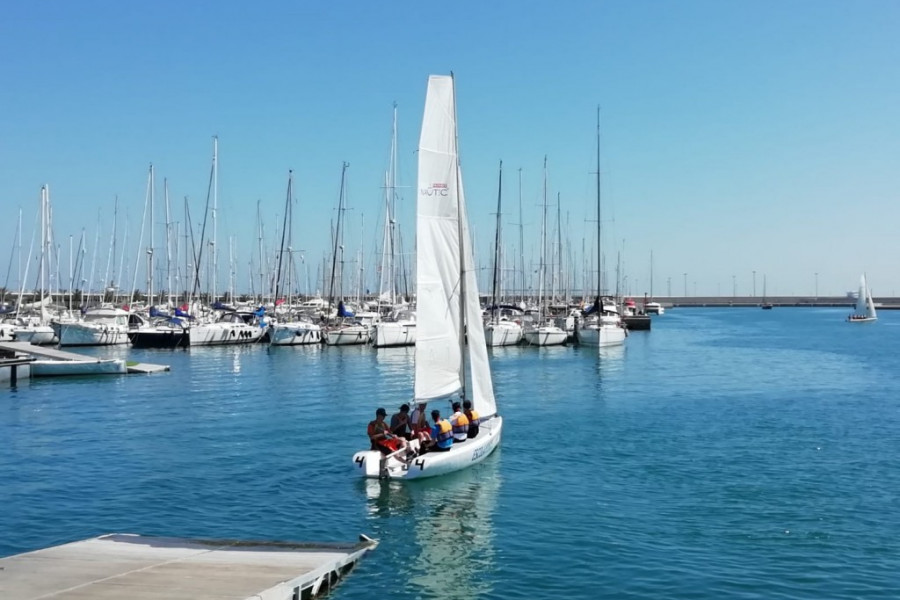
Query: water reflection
[450, 553]
[396, 361]
[611, 359]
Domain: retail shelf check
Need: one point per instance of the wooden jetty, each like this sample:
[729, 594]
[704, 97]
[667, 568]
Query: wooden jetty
[138, 567]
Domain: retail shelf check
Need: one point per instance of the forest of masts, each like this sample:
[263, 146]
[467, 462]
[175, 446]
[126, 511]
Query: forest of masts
[179, 259]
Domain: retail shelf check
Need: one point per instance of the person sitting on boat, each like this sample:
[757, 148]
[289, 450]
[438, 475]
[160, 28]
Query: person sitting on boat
[381, 436]
[474, 418]
[441, 433]
[460, 424]
[419, 424]
[400, 423]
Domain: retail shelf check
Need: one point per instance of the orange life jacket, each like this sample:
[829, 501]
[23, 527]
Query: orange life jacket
[460, 426]
[445, 430]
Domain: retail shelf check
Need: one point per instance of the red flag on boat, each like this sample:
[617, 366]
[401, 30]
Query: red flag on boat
[125, 307]
[183, 307]
[279, 302]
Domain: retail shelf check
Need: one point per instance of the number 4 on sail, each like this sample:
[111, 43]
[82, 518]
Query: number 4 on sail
[451, 355]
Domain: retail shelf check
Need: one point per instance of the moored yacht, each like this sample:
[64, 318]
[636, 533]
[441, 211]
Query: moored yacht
[104, 326]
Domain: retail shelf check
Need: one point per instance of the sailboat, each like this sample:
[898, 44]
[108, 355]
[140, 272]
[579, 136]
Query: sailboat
[398, 328]
[543, 331]
[865, 306]
[500, 330]
[345, 329]
[451, 354]
[602, 325]
[766, 305]
[289, 329]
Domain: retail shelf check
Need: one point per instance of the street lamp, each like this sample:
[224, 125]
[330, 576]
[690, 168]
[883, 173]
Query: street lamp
[754, 284]
[669, 287]
[685, 285]
[817, 285]
[734, 286]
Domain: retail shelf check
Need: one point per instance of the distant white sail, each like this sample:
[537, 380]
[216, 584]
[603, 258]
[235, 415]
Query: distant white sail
[861, 306]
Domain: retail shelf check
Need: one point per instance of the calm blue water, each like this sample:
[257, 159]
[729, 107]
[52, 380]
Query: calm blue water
[731, 453]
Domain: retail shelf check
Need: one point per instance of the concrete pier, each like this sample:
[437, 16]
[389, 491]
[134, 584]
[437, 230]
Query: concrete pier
[117, 566]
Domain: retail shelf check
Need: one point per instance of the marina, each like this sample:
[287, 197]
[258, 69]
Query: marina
[608, 310]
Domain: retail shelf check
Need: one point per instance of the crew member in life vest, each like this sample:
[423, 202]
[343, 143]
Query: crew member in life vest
[460, 424]
[381, 436]
[441, 433]
[474, 418]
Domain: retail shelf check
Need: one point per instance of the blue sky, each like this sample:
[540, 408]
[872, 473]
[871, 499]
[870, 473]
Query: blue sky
[736, 136]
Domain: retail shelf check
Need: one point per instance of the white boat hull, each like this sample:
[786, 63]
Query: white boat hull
[295, 334]
[348, 336]
[546, 336]
[90, 334]
[611, 335]
[59, 368]
[224, 334]
[502, 334]
[368, 463]
[39, 335]
[391, 333]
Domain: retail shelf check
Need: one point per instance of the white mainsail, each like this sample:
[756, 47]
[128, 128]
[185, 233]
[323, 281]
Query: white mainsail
[861, 306]
[440, 206]
[482, 394]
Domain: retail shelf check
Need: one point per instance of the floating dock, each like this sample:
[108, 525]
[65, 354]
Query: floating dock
[138, 567]
[59, 362]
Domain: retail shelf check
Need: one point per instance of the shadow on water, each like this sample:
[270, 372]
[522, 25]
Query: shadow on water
[438, 534]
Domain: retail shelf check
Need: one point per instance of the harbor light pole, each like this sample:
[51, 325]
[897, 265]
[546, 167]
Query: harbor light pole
[685, 285]
[669, 287]
[734, 286]
[754, 284]
[817, 285]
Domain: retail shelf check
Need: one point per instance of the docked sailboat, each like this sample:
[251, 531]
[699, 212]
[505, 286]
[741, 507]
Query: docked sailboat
[398, 328]
[344, 329]
[543, 331]
[289, 328]
[451, 355]
[103, 326]
[865, 306]
[601, 324]
[500, 330]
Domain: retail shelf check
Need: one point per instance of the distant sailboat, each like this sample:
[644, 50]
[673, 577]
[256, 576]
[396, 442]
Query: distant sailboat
[865, 306]
[766, 305]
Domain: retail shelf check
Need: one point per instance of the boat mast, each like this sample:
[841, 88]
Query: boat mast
[542, 266]
[460, 232]
[150, 248]
[392, 211]
[285, 227]
[214, 254]
[599, 250]
[495, 313]
[337, 236]
[168, 244]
